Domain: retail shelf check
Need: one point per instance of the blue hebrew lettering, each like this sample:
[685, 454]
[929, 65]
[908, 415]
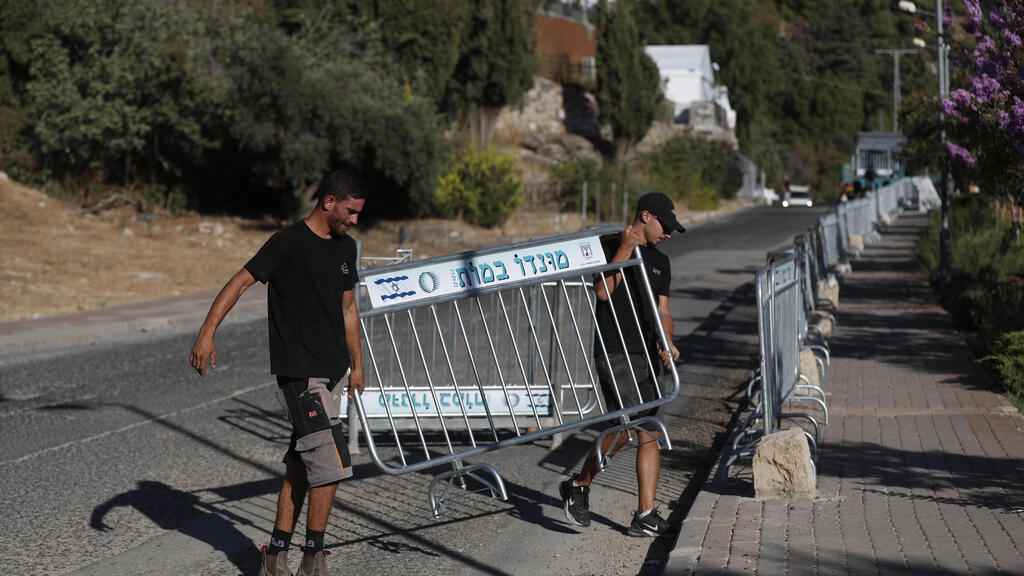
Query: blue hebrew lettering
[519, 261]
[472, 270]
[551, 257]
[486, 274]
[502, 275]
[563, 260]
[530, 260]
[543, 267]
[460, 272]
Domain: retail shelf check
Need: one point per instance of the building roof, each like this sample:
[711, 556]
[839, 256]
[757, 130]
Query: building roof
[692, 58]
[880, 141]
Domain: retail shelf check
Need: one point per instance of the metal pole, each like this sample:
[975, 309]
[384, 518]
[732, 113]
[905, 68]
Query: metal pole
[896, 83]
[945, 243]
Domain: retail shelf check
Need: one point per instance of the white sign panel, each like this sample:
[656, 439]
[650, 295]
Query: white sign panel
[470, 271]
[451, 402]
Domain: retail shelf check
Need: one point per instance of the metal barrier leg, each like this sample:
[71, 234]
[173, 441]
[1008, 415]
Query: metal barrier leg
[353, 429]
[663, 442]
[497, 488]
[808, 417]
[818, 401]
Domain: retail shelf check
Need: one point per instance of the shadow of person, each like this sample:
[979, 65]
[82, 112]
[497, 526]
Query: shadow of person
[182, 512]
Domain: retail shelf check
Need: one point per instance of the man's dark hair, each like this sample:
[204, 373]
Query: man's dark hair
[342, 184]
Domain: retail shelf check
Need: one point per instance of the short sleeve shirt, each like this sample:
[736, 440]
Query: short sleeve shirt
[659, 272]
[306, 276]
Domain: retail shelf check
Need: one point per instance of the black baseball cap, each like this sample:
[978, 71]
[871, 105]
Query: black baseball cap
[663, 209]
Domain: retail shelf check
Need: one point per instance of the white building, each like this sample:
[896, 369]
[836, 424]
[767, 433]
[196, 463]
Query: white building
[688, 80]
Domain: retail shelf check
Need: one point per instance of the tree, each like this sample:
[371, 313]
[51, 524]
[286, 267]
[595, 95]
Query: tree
[628, 82]
[987, 139]
[496, 63]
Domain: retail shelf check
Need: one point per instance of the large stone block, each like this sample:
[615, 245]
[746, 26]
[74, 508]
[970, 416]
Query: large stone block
[856, 243]
[782, 466]
[828, 289]
[822, 320]
[809, 367]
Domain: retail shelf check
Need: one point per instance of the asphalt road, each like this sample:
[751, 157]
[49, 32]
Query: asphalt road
[116, 458]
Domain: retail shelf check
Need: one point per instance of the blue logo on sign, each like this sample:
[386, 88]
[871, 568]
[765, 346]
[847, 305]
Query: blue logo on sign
[429, 282]
[588, 253]
[395, 288]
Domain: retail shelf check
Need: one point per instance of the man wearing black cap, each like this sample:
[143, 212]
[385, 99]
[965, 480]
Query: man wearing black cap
[655, 221]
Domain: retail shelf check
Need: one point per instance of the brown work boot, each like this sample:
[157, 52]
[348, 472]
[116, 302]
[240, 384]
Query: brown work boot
[313, 563]
[274, 564]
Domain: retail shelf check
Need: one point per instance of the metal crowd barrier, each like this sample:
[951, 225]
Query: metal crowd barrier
[778, 307]
[787, 291]
[488, 349]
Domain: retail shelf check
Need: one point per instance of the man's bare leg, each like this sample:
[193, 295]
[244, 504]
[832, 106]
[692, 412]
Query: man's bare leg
[289, 501]
[648, 468]
[320, 500]
[590, 467]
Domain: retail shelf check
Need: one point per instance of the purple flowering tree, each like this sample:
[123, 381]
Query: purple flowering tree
[986, 134]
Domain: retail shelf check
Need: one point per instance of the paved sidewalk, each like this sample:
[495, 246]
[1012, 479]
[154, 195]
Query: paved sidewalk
[921, 469]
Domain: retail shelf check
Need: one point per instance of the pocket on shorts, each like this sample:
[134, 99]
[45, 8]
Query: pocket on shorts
[314, 440]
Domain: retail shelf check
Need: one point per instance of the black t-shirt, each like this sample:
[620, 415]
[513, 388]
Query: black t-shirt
[659, 272]
[307, 275]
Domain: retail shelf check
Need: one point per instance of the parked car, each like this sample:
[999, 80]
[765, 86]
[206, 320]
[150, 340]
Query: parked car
[797, 196]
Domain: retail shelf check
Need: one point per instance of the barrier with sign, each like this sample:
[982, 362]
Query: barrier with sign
[488, 349]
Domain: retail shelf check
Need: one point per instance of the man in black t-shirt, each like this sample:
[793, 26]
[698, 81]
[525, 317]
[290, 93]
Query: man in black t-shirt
[311, 271]
[621, 358]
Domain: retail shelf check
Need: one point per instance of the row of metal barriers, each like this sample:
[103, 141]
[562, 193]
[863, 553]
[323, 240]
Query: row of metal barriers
[796, 308]
[473, 352]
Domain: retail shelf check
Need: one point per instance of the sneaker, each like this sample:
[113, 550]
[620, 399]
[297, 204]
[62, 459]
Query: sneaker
[651, 525]
[313, 563]
[274, 564]
[577, 502]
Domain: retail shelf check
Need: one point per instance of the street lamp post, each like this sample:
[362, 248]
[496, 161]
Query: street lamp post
[895, 83]
[945, 243]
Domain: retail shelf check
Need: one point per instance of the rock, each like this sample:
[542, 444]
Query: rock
[531, 141]
[214, 228]
[809, 367]
[856, 243]
[782, 466]
[552, 151]
[574, 143]
[3, 175]
[828, 289]
[127, 232]
[822, 320]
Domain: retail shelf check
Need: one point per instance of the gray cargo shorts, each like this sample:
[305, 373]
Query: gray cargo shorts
[313, 406]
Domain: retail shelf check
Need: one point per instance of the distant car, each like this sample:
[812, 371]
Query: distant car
[797, 198]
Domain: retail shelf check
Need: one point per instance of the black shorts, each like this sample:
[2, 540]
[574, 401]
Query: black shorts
[618, 387]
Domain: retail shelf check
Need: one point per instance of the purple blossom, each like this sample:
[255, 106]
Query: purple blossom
[1004, 120]
[960, 155]
[984, 88]
[920, 26]
[973, 9]
[949, 107]
[985, 45]
[1013, 38]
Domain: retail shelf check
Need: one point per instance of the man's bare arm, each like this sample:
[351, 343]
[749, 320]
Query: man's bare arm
[204, 347]
[353, 341]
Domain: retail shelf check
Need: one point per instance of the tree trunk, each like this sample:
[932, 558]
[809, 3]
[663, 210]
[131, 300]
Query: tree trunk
[482, 121]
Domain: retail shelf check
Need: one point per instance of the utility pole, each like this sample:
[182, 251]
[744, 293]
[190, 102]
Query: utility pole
[895, 53]
[945, 242]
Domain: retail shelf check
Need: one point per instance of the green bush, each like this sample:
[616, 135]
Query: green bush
[480, 187]
[694, 168]
[1008, 359]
